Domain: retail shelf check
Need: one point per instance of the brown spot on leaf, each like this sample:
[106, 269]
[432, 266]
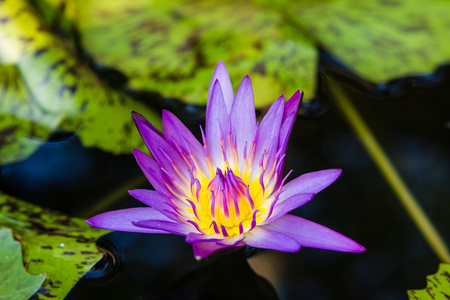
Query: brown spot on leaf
[58, 63]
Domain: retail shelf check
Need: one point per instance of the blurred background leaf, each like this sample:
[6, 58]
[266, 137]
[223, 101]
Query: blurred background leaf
[16, 283]
[46, 89]
[171, 47]
[379, 40]
[53, 243]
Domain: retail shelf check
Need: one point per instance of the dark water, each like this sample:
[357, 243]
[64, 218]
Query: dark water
[415, 133]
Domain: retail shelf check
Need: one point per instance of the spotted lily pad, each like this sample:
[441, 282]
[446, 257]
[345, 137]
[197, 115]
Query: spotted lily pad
[61, 246]
[171, 47]
[438, 286]
[380, 40]
[16, 282]
[46, 89]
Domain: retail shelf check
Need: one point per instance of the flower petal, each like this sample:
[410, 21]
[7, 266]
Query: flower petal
[151, 170]
[262, 238]
[312, 182]
[217, 122]
[155, 200]
[138, 118]
[221, 74]
[243, 118]
[194, 237]
[268, 133]
[166, 156]
[169, 226]
[232, 241]
[291, 106]
[293, 202]
[203, 250]
[122, 220]
[310, 234]
[176, 132]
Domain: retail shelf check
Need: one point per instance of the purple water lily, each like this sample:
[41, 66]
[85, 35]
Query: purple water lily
[229, 192]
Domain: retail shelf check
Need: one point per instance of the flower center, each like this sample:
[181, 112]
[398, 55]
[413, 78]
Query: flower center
[225, 206]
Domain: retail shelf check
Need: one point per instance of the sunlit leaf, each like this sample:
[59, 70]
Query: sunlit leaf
[24, 126]
[171, 47]
[61, 246]
[45, 88]
[16, 283]
[438, 286]
[380, 40]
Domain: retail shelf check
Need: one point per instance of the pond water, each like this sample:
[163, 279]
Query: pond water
[414, 132]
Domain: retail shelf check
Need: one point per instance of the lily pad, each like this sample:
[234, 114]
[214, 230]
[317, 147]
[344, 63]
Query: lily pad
[47, 89]
[380, 40]
[438, 286]
[16, 282]
[171, 47]
[56, 244]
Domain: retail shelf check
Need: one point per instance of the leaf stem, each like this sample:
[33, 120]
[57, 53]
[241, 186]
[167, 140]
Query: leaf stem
[391, 175]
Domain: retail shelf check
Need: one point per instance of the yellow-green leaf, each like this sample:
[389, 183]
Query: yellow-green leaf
[438, 286]
[56, 244]
[16, 283]
[171, 47]
[45, 88]
[380, 40]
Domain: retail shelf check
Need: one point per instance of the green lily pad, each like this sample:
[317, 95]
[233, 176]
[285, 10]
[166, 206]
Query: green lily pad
[380, 40]
[172, 47]
[438, 286]
[61, 246]
[19, 117]
[46, 89]
[16, 282]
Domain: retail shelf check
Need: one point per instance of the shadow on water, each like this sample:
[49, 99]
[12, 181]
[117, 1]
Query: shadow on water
[155, 268]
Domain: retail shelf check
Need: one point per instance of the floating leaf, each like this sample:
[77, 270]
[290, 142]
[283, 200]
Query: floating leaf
[171, 47]
[16, 283]
[438, 286]
[46, 89]
[54, 243]
[380, 40]
[19, 117]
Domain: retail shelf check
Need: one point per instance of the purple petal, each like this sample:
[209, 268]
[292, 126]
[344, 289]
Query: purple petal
[285, 132]
[291, 106]
[217, 122]
[203, 250]
[138, 118]
[268, 132]
[262, 238]
[194, 237]
[221, 74]
[232, 241]
[312, 182]
[155, 200]
[176, 131]
[163, 152]
[243, 118]
[150, 198]
[289, 114]
[151, 170]
[122, 220]
[282, 208]
[167, 225]
[310, 234]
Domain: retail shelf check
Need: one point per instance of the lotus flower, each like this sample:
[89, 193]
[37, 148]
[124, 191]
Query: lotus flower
[228, 192]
